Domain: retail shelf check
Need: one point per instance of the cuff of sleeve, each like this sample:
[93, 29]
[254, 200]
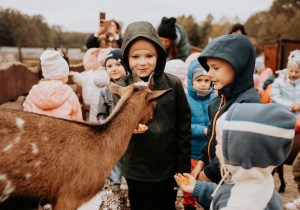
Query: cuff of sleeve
[197, 189]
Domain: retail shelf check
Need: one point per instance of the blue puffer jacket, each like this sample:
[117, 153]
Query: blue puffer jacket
[199, 112]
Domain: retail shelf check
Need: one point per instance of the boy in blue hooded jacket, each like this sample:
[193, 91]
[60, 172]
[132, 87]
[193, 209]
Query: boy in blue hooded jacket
[200, 93]
[230, 61]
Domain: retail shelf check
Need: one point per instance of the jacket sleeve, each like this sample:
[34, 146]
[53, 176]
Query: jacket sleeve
[198, 130]
[92, 41]
[276, 95]
[76, 108]
[78, 79]
[183, 131]
[102, 108]
[202, 192]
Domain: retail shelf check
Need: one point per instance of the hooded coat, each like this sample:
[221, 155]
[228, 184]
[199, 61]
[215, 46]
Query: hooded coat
[53, 98]
[199, 110]
[237, 50]
[165, 148]
[183, 47]
[250, 155]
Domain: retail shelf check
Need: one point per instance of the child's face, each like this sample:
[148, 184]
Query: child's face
[294, 73]
[166, 42]
[202, 82]
[219, 152]
[143, 62]
[115, 69]
[221, 72]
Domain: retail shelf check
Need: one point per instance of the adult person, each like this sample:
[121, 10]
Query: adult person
[238, 29]
[174, 39]
[108, 35]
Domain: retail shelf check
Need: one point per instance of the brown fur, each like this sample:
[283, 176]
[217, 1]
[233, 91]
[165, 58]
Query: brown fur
[73, 158]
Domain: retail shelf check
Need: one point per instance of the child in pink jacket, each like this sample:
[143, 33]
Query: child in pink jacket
[52, 96]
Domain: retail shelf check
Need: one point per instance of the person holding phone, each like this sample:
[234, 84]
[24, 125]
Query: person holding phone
[107, 36]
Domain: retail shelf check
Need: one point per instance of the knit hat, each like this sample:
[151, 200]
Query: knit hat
[114, 53]
[261, 133]
[142, 44]
[89, 57]
[102, 55]
[191, 57]
[199, 71]
[167, 29]
[177, 67]
[54, 66]
[294, 59]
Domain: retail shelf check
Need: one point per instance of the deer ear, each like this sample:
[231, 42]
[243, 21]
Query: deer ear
[155, 95]
[115, 89]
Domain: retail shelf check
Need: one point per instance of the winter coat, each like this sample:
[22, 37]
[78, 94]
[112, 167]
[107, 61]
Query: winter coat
[266, 97]
[165, 148]
[183, 47]
[286, 95]
[199, 110]
[239, 52]
[105, 105]
[55, 99]
[93, 41]
[250, 158]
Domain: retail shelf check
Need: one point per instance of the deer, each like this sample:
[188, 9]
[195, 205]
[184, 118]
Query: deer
[65, 163]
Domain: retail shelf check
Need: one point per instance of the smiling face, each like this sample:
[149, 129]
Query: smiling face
[202, 82]
[143, 62]
[221, 72]
[294, 73]
[115, 69]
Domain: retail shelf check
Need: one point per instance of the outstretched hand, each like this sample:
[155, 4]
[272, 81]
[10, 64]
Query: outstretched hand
[186, 182]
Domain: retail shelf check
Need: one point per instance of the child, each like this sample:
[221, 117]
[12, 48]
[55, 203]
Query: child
[252, 139]
[286, 88]
[52, 96]
[114, 66]
[155, 154]
[178, 68]
[200, 93]
[92, 80]
[230, 61]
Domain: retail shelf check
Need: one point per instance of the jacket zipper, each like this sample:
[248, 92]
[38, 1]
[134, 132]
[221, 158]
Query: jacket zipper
[214, 123]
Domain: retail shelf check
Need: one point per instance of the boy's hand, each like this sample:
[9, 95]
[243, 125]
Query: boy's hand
[186, 182]
[199, 167]
[205, 131]
[295, 107]
[140, 129]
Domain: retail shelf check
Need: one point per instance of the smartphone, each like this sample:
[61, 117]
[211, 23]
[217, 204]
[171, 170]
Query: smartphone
[102, 18]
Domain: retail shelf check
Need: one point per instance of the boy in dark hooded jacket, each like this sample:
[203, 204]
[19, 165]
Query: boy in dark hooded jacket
[230, 61]
[155, 154]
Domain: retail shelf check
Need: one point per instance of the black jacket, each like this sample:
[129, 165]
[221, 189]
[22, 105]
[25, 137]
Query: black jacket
[92, 41]
[239, 52]
[165, 148]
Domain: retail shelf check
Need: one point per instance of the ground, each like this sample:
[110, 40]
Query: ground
[288, 196]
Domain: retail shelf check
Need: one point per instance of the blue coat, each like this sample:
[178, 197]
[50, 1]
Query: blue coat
[199, 112]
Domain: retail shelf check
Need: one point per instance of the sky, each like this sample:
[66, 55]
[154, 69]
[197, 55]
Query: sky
[83, 15]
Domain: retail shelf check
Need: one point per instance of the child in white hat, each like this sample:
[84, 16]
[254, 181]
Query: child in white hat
[52, 96]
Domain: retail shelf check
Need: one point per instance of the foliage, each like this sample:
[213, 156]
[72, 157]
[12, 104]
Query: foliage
[281, 21]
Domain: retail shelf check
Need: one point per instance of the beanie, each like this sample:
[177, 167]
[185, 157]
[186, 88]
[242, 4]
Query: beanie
[114, 53]
[102, 55]
[294, 59]
[167, 28]
[177, 67]
[142, 44]
[54, 66]
[89, 58]
[199, 71]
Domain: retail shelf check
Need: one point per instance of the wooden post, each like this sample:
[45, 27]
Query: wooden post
[20, 54]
